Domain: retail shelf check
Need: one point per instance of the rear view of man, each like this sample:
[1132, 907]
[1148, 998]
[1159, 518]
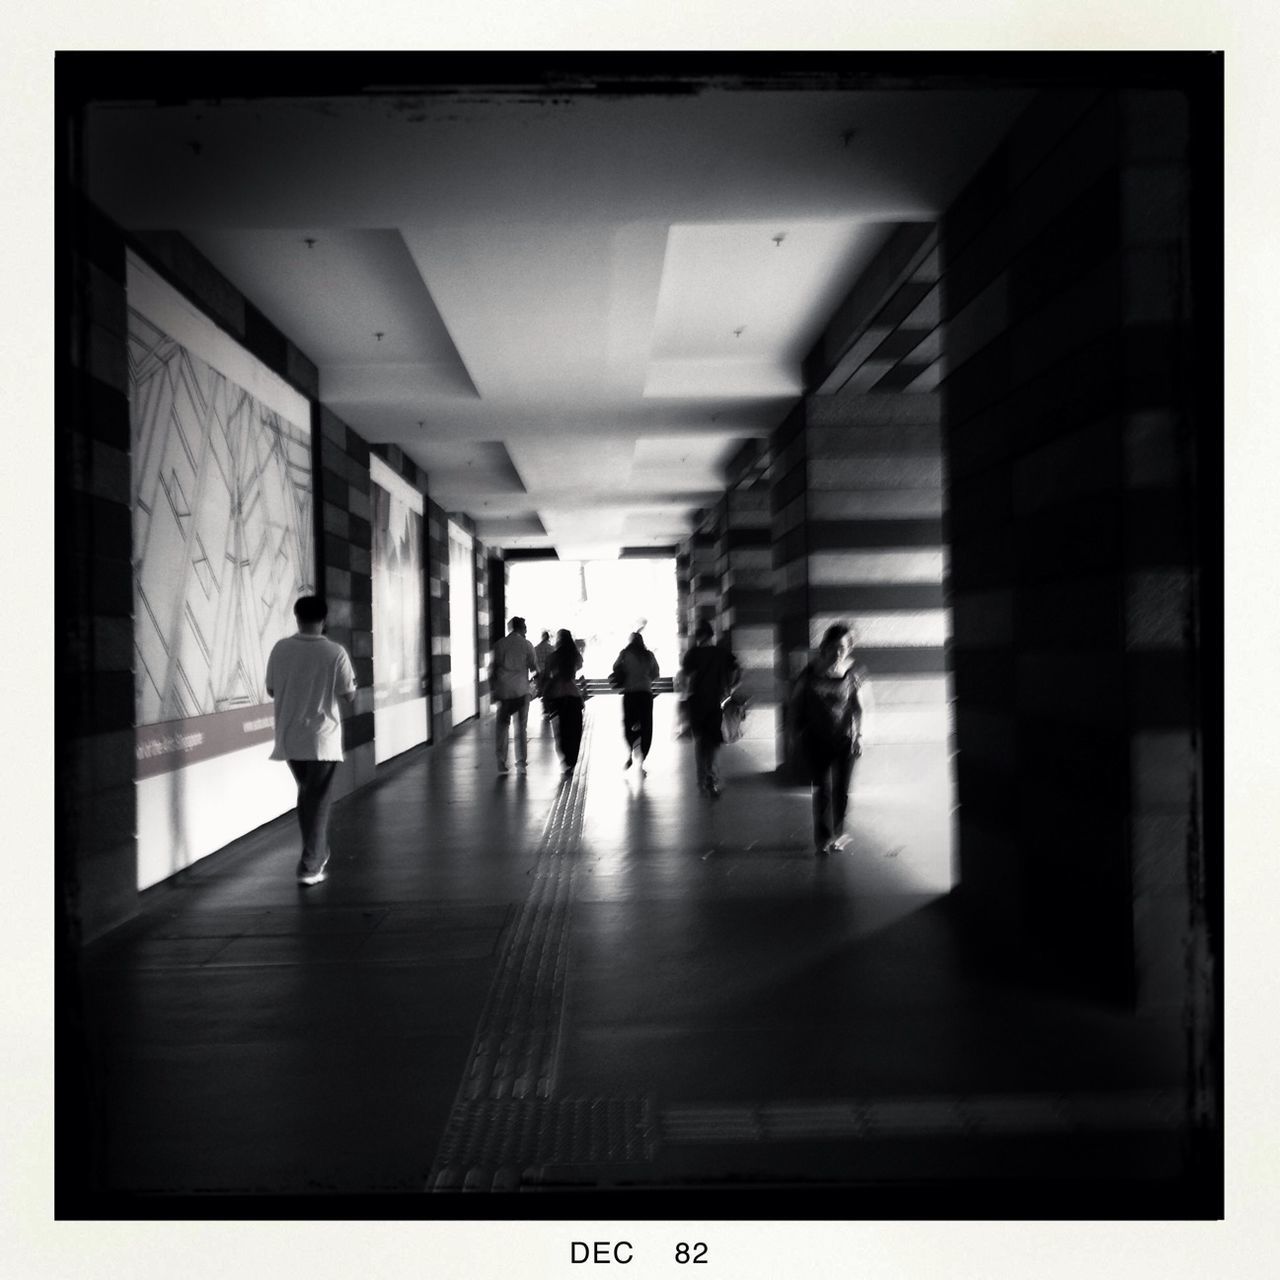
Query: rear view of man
[308, 678]
[512, 661]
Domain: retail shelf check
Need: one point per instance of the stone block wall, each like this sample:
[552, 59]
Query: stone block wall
[97, 808]
[344, 541]
[684, 595]
[744, 567]
[1072, 461]
[437, 528]
[702, 597]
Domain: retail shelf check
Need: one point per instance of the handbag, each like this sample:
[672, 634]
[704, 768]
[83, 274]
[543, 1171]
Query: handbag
[733, 713]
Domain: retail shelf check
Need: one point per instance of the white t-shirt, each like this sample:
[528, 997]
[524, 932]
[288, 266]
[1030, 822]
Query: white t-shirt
[307, 675]
[513, 658]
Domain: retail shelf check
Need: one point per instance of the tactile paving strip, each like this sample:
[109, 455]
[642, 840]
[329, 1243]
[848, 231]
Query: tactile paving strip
[499, 1146]
[504, 1118]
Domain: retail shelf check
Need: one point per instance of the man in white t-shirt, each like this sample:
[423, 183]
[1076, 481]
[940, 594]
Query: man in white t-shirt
[308, 678]
[509, 667]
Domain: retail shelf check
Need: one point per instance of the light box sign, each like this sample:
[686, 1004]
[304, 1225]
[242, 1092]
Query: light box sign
[401, 718]
[223, 547]
[222, 535]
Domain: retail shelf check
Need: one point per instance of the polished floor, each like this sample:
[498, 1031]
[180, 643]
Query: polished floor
[605, 984]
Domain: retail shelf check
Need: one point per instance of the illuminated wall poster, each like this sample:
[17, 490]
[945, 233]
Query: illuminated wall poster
[223, 546]
[400, 712]
[462, 623]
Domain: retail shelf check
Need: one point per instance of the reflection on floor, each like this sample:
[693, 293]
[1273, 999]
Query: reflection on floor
[605, 983]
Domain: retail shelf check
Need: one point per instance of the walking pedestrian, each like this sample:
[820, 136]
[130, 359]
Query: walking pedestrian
[825, 719]
[542, 651]
[308, 679]
[711, 673]
[565, 696]
[512, 660]
[634, 672]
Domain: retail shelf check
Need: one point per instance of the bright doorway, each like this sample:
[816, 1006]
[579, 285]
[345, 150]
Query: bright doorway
[601, 602]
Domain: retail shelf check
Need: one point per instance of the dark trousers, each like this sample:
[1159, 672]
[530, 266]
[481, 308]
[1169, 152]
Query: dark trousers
[706, 747]
[637, 720]
[830, 769]
[314, 779]
[569, 713]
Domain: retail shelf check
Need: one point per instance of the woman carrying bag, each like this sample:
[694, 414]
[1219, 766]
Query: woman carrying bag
[826, 721]
[563, 694]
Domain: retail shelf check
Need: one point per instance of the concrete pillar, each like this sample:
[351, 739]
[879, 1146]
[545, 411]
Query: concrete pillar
[1070, 346]
[684, 596]
[703, 596]
[744, 567]
[97, 807]
[342, 498]
[858, 539]
[438, 620]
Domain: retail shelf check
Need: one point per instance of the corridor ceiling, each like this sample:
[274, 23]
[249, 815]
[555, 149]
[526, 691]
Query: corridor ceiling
[569, 305]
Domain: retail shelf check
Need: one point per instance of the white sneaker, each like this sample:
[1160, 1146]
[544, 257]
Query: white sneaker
[840, 842]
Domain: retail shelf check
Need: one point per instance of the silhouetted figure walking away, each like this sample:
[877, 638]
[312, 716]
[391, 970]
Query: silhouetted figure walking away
[565, 696]
[512, 660]
[711, 673]
[825, 718]
[634, 672]
[542, 651]
[308, 678]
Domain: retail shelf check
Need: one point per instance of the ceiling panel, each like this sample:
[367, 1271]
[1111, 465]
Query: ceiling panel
[350, 299]
[557, 279]
[757, 290]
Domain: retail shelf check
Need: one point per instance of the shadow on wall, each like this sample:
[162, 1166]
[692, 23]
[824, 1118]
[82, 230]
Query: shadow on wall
[179, 845]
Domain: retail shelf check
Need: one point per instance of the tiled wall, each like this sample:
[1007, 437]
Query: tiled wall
[684, 594]
[345, 542]
[437, 523]
[858, 538]
[485, 622]
[95, 699]
[496, 569]
[1072, 460]
[858, 529]
[744, 567]
[701, 593]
